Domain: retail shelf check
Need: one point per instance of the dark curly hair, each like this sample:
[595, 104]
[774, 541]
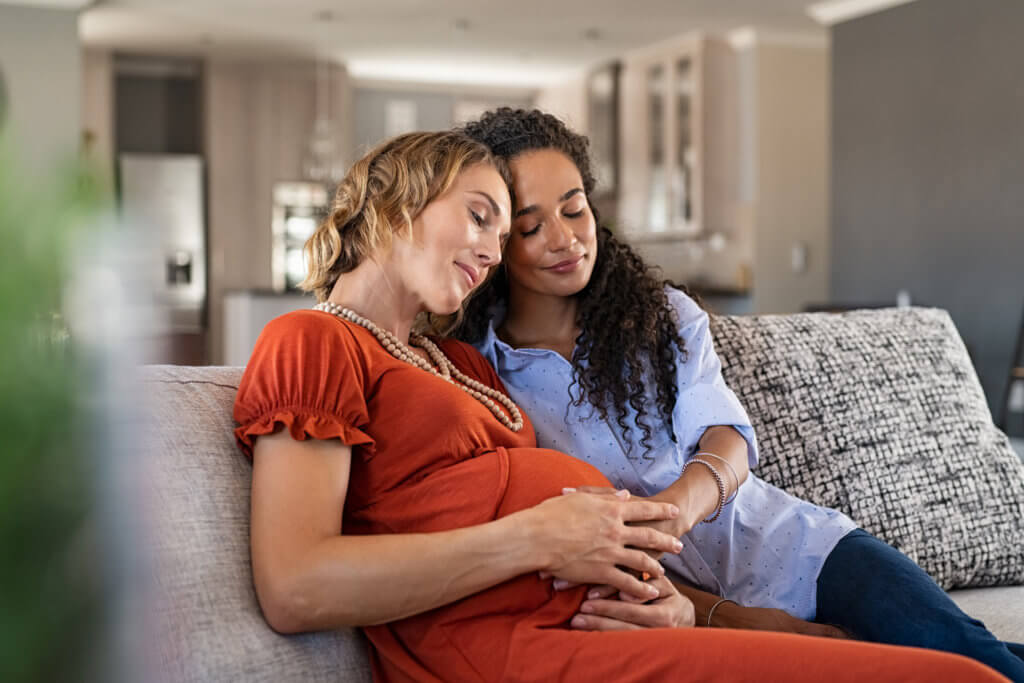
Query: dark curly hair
[629, 330]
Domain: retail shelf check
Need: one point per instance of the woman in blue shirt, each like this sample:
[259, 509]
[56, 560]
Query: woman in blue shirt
[618, 368]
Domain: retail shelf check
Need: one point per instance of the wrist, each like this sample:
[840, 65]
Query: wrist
[723, 614]
[676, 495]
[525, 537]
[702, 492]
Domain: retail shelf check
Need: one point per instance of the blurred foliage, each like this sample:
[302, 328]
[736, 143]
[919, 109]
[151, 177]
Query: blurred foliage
[51, 610]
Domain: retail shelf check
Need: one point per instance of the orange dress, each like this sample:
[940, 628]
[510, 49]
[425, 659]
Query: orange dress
[428, 457]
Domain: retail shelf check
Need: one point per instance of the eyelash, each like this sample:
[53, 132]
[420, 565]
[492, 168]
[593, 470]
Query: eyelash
[567, 215]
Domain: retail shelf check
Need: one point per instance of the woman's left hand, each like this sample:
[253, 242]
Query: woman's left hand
[673, 527]
[604, 611]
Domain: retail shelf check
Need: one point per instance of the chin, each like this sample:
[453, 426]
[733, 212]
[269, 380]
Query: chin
[568, 288]
[445, 306]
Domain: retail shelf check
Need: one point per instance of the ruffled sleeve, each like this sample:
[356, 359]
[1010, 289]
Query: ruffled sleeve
[704, 400]
[308, 374]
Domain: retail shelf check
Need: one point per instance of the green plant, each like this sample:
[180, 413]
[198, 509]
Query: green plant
[50, 586]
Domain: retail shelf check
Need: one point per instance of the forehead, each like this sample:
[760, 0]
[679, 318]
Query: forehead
[543, 175]
[483, 177]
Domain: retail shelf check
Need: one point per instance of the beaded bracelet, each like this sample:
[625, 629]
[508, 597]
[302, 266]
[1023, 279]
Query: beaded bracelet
[718, 480]
[712, 610]
[735, 477]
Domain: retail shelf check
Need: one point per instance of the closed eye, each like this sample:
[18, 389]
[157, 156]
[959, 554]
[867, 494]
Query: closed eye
[527, 233]
[477, 218]
[574, 215]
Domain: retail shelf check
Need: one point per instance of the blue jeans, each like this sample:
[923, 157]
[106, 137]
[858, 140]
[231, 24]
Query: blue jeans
[876, 593]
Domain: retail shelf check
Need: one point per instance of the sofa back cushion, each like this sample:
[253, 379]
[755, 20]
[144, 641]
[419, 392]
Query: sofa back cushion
[881, 415]
[209, 623]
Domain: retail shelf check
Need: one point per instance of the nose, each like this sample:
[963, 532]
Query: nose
[560, 236]
[489, 250]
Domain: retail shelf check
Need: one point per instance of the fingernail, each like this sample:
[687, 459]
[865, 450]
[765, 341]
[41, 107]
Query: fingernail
[594, 594]
[579, 621]
[623, 493]
[560, 584]
[568, 489]
[586, 607]
[673, 510]
[677, 546]
[651, 590]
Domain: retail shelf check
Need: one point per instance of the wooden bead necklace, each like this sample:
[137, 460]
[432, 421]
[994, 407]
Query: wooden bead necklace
[444, 369]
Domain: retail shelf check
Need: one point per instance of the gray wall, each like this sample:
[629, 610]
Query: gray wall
[434, 111]
[928, 167]
[41, 62]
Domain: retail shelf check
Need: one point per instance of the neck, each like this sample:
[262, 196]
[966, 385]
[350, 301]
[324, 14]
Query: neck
[369, 291]
[539, 319]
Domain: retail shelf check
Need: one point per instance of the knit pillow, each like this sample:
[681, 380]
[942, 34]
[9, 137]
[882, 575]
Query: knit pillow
[881, 415]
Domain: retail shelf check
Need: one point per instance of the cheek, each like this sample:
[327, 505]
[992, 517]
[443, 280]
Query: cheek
[522, 253]
[589, 236]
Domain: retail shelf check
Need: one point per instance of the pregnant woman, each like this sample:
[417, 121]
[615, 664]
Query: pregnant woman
[617, 368]
[396, 487]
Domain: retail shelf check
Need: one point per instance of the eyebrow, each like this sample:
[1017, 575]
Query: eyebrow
[495, 209]
[533, 207]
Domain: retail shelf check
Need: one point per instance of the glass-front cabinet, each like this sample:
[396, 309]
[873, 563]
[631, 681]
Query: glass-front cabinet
[679, 202]
[298, 209]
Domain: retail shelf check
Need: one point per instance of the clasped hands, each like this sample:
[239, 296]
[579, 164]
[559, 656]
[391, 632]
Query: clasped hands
[611, 542]
[645, 529]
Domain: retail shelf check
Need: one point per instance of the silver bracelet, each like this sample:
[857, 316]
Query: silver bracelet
[718, 480]
[712, 610]
[735, 477]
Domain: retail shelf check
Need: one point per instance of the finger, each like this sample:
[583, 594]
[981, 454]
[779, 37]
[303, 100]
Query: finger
[563, 584]
[606, 490]
[639, 562]
[590, 622]
[638, 510]
[651, 615]
[604, 591]
[652, 539]
[628, 584]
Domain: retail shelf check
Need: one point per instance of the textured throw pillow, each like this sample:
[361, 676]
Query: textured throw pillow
[881, 415]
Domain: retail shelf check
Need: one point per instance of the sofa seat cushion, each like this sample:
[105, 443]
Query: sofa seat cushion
[1000, 608]
[881, 415]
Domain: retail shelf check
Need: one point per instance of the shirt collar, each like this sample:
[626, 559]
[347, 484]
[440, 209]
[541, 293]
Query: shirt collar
[503, 357]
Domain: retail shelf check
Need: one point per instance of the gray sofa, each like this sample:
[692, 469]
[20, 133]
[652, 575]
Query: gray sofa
[210, 625]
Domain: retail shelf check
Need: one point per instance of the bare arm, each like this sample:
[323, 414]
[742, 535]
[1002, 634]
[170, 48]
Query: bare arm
[310, 577]
[696, 492]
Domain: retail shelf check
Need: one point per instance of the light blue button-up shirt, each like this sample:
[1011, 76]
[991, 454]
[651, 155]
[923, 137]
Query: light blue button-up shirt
[767, 547]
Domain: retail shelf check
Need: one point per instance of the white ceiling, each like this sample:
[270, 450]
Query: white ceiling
[510, 42]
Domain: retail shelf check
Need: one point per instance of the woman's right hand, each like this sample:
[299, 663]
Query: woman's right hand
[587, 539]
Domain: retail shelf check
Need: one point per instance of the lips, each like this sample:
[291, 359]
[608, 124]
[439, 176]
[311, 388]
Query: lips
[566, 266]
[471, 274]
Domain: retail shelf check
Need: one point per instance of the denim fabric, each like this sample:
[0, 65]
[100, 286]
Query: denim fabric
[878, 594]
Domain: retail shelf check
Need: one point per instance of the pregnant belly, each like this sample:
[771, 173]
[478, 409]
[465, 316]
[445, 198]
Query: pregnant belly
[536, 474]
[493, 483]
[475, 634]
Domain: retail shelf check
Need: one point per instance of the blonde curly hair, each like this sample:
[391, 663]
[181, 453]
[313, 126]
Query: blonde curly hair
[380, 197]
